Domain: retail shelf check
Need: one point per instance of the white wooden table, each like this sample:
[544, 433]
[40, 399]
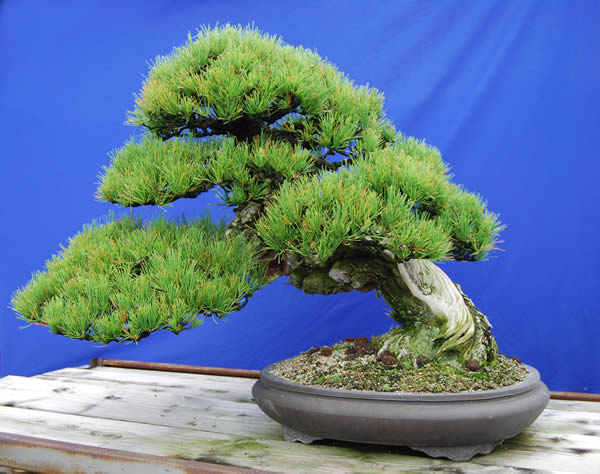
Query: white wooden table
[114, 419]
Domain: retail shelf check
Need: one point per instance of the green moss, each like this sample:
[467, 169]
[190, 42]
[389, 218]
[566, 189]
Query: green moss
[314, 282]
[411, 341]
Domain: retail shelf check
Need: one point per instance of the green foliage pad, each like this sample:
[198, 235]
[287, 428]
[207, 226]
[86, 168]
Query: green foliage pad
[237, 81]
[151, 171]
[399, 200]
[120, 280]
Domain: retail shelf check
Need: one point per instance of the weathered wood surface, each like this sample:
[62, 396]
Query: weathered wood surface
[213, 419]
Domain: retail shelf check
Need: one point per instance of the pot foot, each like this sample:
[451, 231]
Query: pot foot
[457, 453]
[290, 434]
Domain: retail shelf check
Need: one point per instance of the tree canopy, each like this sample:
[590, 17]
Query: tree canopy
[309, 162]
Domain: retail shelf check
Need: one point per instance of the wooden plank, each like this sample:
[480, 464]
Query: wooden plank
[544, 442]
[136, 437]
[517, 457]
[273, 455]
[208, 410]
[143, 377]
[573, 405]
[201, 386]
[560, 422]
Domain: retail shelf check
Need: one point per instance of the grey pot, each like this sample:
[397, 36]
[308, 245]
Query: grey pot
[453, 425]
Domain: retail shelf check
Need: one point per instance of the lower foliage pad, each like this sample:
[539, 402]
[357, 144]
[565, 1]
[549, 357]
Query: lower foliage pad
[122, 280]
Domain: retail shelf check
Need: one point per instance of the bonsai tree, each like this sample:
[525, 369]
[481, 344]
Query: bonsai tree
[323, 188]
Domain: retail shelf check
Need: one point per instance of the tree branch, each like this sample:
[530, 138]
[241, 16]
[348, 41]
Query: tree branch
[280, 113]
[323, 163]
[190, 193]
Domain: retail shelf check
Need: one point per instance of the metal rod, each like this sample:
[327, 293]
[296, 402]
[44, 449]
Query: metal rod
[575, 396]
[45, 455]
[190, 369]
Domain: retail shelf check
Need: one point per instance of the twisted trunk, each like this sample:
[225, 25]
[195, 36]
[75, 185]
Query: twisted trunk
[438, 321]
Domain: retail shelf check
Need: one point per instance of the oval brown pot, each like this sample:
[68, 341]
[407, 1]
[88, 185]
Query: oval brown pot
[453, 425]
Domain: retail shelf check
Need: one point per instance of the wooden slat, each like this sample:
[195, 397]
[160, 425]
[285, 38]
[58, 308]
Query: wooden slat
[229, 388]
[561, 422]
[573, 405]
[214, 410]
[144, 377]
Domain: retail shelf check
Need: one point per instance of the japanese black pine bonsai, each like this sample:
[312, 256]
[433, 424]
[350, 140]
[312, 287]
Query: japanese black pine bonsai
[324, 190]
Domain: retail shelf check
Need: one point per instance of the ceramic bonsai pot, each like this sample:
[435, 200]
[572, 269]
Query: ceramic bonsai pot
[453, 425]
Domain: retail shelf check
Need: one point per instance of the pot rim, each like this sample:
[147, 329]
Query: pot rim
[530, 383]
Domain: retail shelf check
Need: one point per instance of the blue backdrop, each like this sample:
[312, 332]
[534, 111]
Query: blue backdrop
[507, 90]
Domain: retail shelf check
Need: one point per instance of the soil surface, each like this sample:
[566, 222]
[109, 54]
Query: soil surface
[354, 364]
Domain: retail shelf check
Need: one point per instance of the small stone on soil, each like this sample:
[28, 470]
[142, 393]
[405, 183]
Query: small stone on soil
[472, 365]
[326, 351]
[361, 347]
[382, 354]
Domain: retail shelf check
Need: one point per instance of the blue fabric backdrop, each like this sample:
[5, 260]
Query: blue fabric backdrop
[507, 90]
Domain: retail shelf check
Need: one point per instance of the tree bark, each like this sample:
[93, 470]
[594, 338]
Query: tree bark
[438, 321]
